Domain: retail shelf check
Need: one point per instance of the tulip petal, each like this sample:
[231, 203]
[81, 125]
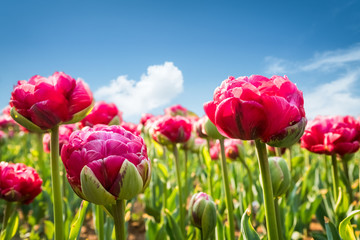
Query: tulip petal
[210, 109]
[235, 118]
[93, 190]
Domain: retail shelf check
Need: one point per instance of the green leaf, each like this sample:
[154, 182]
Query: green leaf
[172, 227]
[11, 228]
[161, 170]
[247, 230]
[331, 231]
[78, 220]
[345, 228]
[206, 155]
[49, 229]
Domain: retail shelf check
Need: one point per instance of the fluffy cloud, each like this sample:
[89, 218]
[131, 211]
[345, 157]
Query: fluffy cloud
[337, 96]
[156, 88]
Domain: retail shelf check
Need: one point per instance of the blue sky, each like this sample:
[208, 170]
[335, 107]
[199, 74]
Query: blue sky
[147, 55]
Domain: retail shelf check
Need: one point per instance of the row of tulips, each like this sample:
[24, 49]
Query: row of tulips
[165, 161]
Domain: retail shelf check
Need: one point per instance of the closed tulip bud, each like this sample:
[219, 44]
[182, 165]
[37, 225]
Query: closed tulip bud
[202, 212]
[106, 163]
[280, 175]
[211, 130]
[234, 149]
[19, 183]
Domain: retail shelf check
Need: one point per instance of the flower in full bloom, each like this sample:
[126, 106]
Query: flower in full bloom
[257, 107]
[176, 110]
[19, 183]
[102, 113]
[332, 135]
[43, 103]
[202, 212]
[64, 135]
[106, 163]
[168, 130]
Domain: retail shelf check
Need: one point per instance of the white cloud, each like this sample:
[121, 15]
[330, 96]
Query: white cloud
[337, 96]
[334, 98]
[156, 88]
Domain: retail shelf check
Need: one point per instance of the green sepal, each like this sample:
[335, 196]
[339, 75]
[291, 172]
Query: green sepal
[289, 136]
[115, 121]
[93, 190]
[247, 230]
[131, 183]
[211, 130]
[26, 123]
[208, 220]
[77, 117]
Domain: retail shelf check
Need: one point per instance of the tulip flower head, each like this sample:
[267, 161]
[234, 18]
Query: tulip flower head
[202, 212]
[19, 183]
[332, 135]
[102, 113]
[43, 103]
[106, 163]
[232, 148]
[168, 130]
[257, 107]
[176, 110]
[131, 127]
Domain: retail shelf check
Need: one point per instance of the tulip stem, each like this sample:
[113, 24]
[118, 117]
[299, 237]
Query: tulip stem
[209, 177]
[265, 178]
[55, 183]
[348, 182]
[226, 183]
[251, 195]
[335, 177]
[99, 221]
[178, 176]
[7, 213]
[278, 218]
[118, 211]
[40, 151]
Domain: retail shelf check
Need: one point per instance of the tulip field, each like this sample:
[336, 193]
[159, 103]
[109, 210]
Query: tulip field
[253, 167]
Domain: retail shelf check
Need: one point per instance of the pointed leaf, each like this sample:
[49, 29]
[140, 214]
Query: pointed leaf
[247, 230]
[11, 228]
[78, 220]
[345, 228]
[331, 231]
[172, 227]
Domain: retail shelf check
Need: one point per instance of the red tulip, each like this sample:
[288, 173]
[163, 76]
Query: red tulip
[256, 107]
[145, 117]
[19, 183]
[176, 110]
[331, 135]
[131, 127]
[167, 130]
[102, 113]
[232, 148]
[106, 163]
[47, 102]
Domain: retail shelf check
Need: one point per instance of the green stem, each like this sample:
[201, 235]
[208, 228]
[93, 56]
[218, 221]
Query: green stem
[178, 176]
[186, 175]
[290, 159]
[278, 218]
[99, 222]
[326, 171]
[335, 177]
[118, 211]
[7, 213]
[165, 196]
[40, 151]
[265, 178]
[225, 177]
[209, 178]
[55, 183]
[250, 181]
[348, 182]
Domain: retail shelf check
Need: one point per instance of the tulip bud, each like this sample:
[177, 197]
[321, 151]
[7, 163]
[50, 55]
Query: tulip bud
[280, 175]
[202, 212]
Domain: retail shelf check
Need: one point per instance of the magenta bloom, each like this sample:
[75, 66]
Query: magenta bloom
[232, 148]
[131, 127]
[215, 151]
[106, 163]
[145, 117]
[167, 130]
[176, 110]
[102, 113]
[47, 102]
[332, 135]
[64, 135]
[19, 183]
[257, 107]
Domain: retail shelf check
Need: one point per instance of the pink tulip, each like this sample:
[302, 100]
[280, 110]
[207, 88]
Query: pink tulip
[64, 135]
[167, 130]
[19, 183]
[106, 163]
[102, 113]
[131, 127]
[47, 102]
[145, 117]
[331, 135]
[232, 148]
[257, 107]
[176, 110]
